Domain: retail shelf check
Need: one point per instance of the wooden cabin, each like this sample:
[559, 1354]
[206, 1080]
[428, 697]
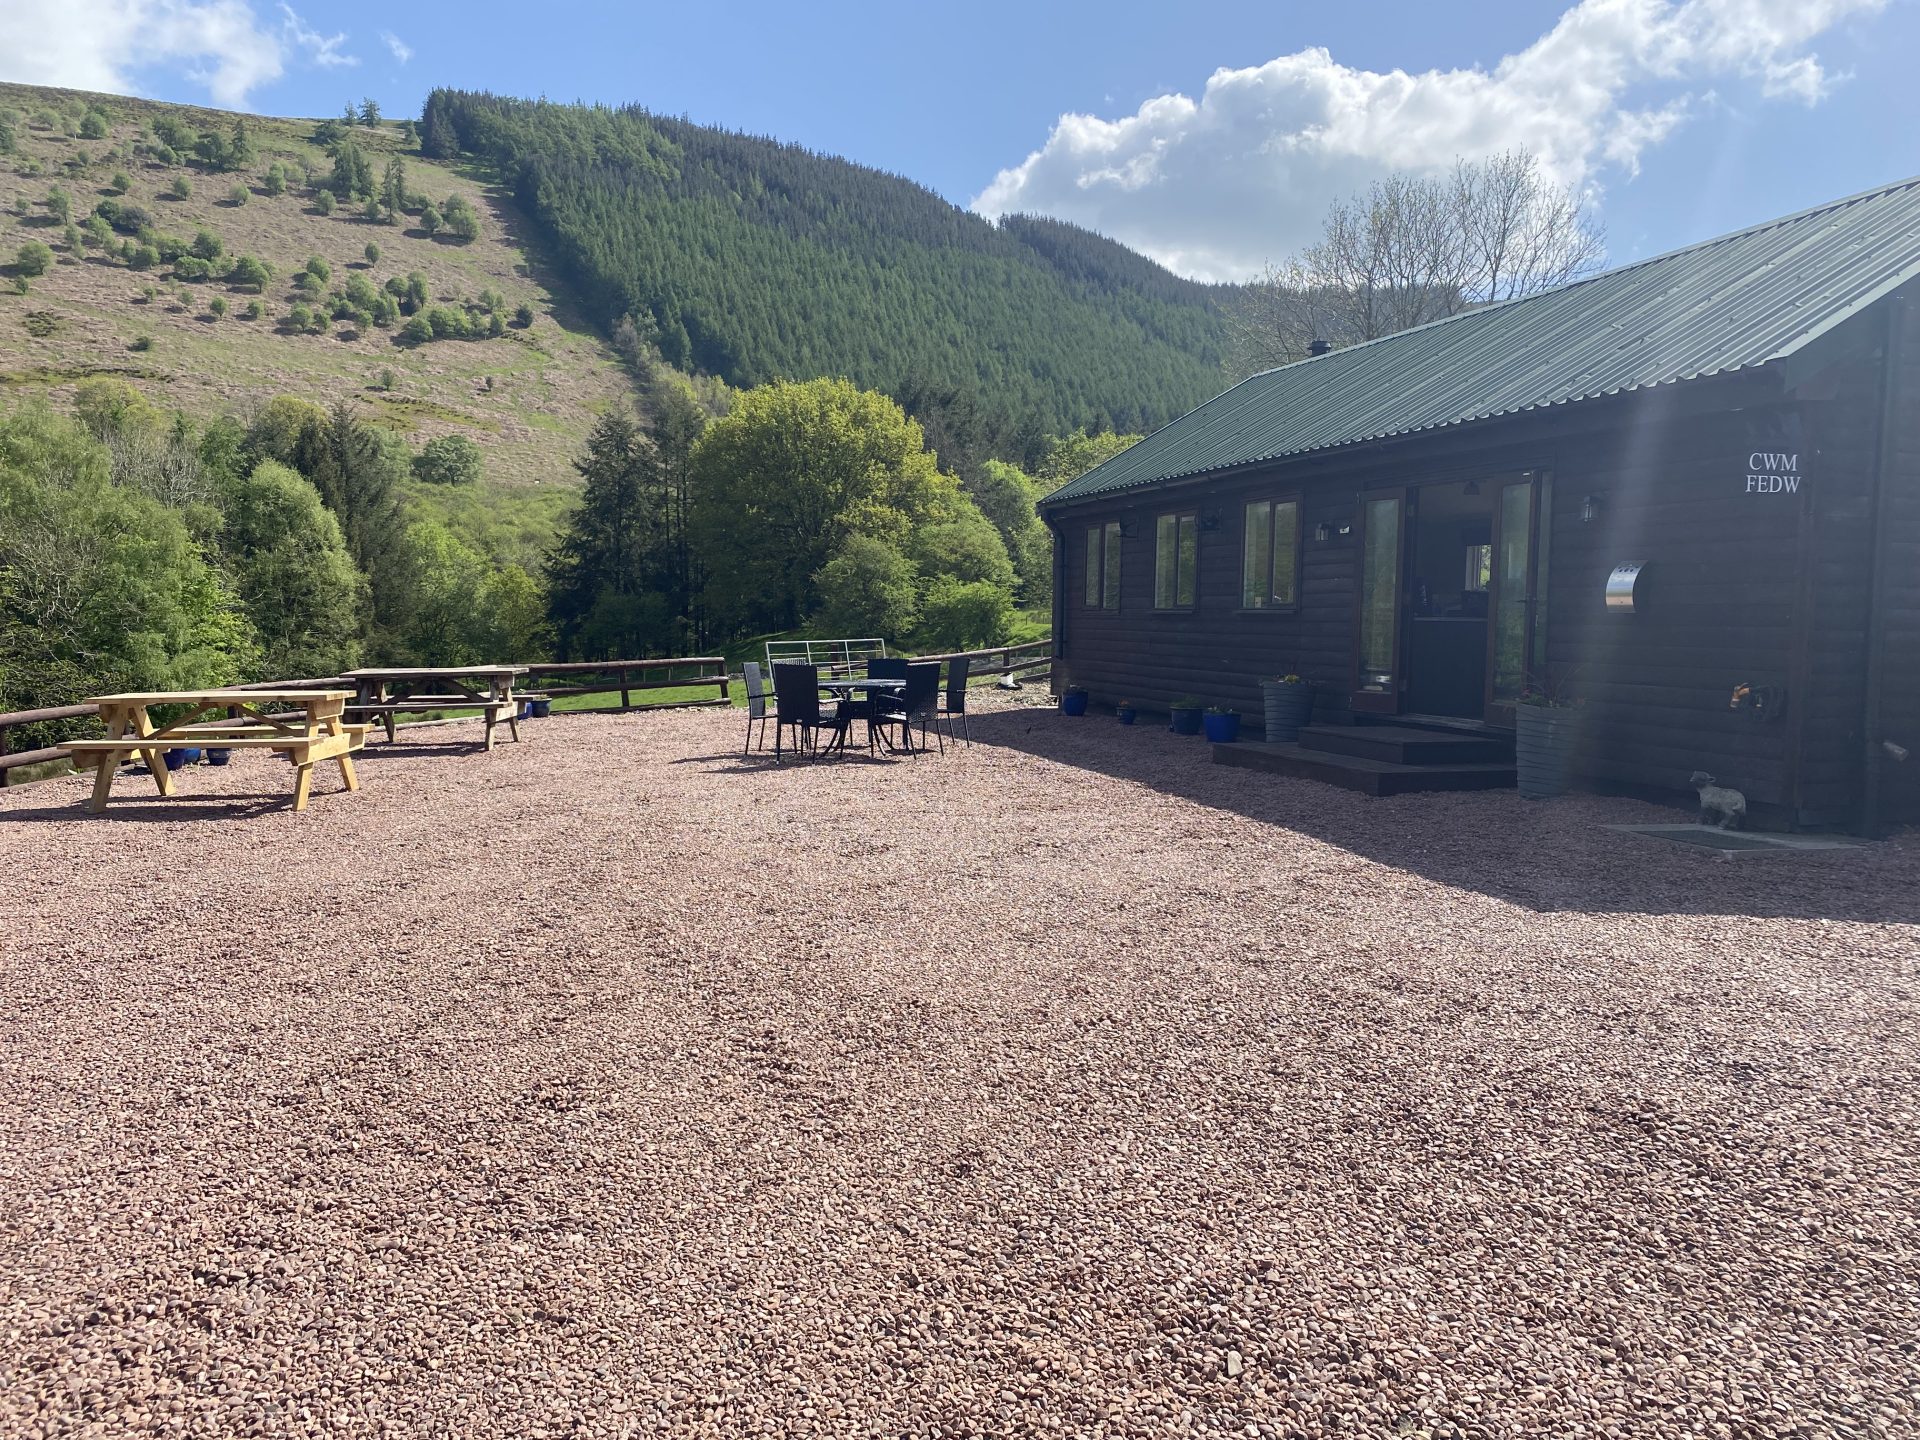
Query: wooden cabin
[1685, 492]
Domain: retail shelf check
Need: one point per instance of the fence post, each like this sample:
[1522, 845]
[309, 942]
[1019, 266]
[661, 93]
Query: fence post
[723, 683]
[6, 776]
[626, 701]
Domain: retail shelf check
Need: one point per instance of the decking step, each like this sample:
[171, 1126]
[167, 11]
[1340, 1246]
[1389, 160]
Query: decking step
[1406, 744]
[1364, 773]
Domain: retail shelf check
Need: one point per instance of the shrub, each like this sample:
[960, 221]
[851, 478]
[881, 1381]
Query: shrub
[207, 245]
[461, 217]
[32, 259]
[386, 380]
[142, 342]
[450, 460]
[323, 202]
[218, 305]
[275, 180]
[386, 310]
[93, 126]
[372, 252]
[61, 204]
[446, 323]
[121, 182]
[496, 327]
[99, 233]
[191, 267]
[253, 311]
[238, 195]
[299, 317]
[22, 285]
[72, 238]
[164, 155]
[127, 219]
[373, 214]
[319, 269]
[181, 189]
[147, 292]
[416, 331]
[966, 615]
[523, 316]
[250, 274]
[430, 220]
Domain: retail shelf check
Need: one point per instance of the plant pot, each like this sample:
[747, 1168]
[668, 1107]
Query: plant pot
[1125, 714]
[218, 755]
[1288, 708]
[1222, 729]
[541, 708]
[1073, 702]
[1543, 741]
[1185, 721]
[174, 759]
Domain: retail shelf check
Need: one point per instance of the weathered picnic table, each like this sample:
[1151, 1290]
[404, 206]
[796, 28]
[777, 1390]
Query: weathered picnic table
[384, 694]
[310, 730]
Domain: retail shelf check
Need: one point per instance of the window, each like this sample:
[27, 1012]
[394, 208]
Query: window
[1270, 574]
[1175, 559]
[1479, 566]
[1102, 590]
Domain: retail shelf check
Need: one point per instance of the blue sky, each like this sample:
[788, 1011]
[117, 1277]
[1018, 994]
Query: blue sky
[1211, 138]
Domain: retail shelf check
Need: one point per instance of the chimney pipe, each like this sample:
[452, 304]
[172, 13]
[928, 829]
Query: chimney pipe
[1318, 347]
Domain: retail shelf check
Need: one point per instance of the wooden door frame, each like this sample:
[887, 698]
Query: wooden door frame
[1492, 712]
[1374, 702]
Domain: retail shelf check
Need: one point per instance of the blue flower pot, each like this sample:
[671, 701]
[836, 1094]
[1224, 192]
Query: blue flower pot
[541, 709]
[1222, 729]
[1125, 715]
[1074, 702]
[1185, 722]
[176, 758]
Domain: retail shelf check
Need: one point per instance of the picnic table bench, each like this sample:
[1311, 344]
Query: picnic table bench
[384, 694]
[311, 730]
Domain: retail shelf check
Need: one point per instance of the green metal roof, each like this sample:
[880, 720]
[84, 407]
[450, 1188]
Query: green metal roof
[1729, 304]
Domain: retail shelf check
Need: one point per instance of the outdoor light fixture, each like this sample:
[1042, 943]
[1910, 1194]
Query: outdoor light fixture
[1323, 532]
[1589, 509]
[1209, 519]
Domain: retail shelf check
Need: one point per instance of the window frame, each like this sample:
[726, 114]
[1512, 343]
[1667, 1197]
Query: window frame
[1100, 587]
[1295, 554]
[1186, 526]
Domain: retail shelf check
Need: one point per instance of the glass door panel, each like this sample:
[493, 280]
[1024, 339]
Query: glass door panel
[1382, 547]
[1510, 639]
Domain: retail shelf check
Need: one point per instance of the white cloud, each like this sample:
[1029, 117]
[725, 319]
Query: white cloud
[402, 51]
[322, 50]
[97, 44]
[1219, 186]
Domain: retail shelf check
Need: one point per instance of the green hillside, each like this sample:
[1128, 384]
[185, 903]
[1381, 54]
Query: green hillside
[754, 260]
[528, 396]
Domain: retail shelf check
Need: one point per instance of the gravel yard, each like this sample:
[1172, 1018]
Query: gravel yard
[1065, 1085]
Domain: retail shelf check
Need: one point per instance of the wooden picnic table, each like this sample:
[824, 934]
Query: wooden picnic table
[384, 694]
[312, 729]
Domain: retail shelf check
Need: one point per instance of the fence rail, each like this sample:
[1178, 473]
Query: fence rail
[619, 675]
[1032, 656]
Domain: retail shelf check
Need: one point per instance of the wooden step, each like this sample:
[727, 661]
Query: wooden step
[1364, 773]
[1407, 744]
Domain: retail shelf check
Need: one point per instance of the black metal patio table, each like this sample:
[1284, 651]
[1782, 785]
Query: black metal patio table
[874, 688]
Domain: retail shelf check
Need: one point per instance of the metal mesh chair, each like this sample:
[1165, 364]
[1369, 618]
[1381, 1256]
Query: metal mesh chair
[918, 701]
[756, 704]
[955, 705]
[796, 705]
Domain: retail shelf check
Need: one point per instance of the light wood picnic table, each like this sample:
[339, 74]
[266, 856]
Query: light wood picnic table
[313, 728]
[383, 694]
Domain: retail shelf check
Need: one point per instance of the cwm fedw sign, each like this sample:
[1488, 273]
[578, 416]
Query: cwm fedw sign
[1773, 473]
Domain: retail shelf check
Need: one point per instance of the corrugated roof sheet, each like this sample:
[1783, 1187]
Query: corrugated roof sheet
[1728, 304]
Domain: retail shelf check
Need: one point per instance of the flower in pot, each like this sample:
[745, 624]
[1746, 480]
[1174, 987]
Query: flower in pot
[1545, 731]
[1125, 712]
[1073, 700]
[1222, 724]
[1185, 717]
[1289, 705]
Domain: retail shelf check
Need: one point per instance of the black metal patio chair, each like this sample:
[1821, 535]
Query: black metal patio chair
[919, 701]
[954, 706]
[796, 706]
[756, 704]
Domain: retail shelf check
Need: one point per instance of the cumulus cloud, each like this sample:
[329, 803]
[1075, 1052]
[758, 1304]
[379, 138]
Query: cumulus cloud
[402, 51]
[321, 50]
[1217, 187]
[97, 44]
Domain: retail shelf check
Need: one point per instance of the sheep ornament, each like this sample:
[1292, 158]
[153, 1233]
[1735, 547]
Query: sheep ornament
[1719, 806]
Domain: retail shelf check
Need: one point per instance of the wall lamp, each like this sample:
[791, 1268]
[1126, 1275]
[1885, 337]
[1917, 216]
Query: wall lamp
[1589, 509]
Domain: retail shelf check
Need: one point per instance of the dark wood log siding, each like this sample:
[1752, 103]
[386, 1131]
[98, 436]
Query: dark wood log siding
[1899, 628]
[1766, 590]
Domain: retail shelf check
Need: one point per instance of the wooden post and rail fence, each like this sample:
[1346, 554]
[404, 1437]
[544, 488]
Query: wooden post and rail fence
[582, 677]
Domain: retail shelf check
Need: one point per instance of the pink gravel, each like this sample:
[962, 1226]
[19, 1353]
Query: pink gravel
[1063, 1085]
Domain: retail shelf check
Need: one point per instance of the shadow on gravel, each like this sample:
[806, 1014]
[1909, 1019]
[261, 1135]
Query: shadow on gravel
[167, 809]
[1547, 856]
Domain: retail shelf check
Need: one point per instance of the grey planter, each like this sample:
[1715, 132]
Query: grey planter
[1288, 708]
[1543, 741]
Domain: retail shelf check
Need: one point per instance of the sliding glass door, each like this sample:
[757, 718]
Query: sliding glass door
[1383, 545]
